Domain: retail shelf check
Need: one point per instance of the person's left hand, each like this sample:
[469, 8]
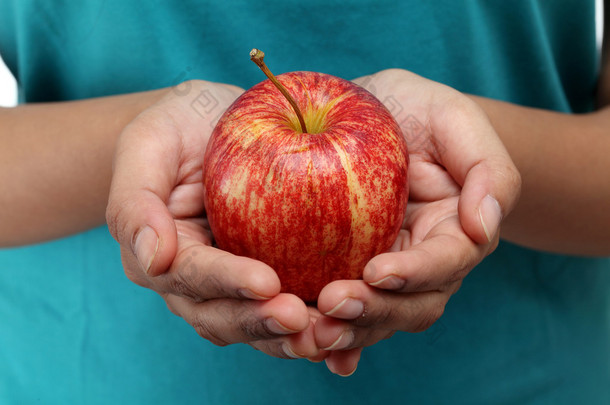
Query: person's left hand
[462, 183]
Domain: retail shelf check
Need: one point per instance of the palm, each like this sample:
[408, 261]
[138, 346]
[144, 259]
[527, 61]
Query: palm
[171, 138]
[457, 165]
[158, 217]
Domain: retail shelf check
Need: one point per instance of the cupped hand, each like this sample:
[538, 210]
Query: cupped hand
[462, 184]
[156, 213]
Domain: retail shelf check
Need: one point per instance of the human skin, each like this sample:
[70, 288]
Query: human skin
[281, 325]
[55, 164]
[565, 191]
[549, 151]
[452, 225]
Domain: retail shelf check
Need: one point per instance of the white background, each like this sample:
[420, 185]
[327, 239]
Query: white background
[8, 87]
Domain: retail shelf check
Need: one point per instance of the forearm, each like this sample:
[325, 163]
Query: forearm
[562, 158]
[55, 164]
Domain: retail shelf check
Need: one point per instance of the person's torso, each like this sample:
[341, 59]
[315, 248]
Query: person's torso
[525, 326]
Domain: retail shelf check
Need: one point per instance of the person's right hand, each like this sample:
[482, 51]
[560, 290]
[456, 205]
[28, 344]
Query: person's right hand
[156, 213]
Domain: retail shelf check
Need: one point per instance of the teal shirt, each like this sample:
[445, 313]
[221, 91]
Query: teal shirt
[526, 326]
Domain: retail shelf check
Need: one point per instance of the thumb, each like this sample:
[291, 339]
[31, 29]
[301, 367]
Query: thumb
[137, 216]
[476, 158]
[141, 223]
[489, 193]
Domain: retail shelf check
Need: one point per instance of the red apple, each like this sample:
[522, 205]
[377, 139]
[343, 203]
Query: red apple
[315, 206]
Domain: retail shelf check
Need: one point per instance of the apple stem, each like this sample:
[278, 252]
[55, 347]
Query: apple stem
[256, 55]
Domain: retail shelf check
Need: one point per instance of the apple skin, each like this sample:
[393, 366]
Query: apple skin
[315, 206]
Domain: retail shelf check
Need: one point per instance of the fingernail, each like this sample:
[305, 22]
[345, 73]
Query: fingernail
[330, 367]
[288, 351]
[247, 293]
[349, 374]
[349, 308]
[316, 359]
[146, 246]
[342, 342]
[490, 215]
[370, 271]
[275, 327]
[390, 282]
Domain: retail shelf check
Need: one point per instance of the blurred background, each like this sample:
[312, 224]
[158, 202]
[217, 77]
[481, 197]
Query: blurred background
[8, 86]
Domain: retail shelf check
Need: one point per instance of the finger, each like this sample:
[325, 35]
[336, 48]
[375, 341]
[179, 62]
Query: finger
[314, 315]
[445, 256]
[137, 215]
[463, 141]
[344, 363]
[228, 321]
[303, 344]
[429, 181]
[201, 272]
[365, 306]
[191, 231]
[321, 356]
[488, 195]
[473, 154]
[295, 346]
[332, 334]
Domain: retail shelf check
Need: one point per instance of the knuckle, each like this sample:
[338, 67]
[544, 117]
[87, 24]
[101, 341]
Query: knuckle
[118, 214]
[423, 283]
[251, 325]
[212, 281]
[399, 73]
[464, 106]
[114, 213]
[384, 316]
[271, 347]
[213, 286]
[197, 280]
[207, 330]
[463, 266]
[170, 307]
[515, 182]
[515, 178]
[255, 329]
[509, 178]
[180, 285]
[422, 324]
[224, 322]
[455, 287]
[427, 318]
[135, 276]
